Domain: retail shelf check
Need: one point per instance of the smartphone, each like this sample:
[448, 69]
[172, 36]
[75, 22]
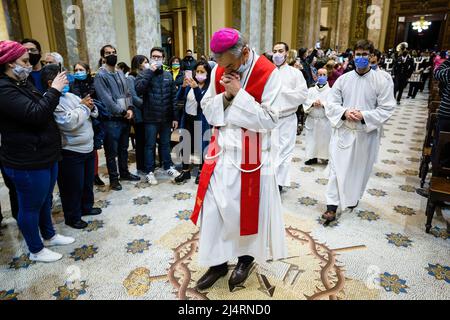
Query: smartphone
[188, 74]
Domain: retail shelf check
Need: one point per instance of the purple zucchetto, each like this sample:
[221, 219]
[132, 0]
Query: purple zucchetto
[224, 39]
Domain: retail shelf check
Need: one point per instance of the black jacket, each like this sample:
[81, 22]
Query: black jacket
[403, 70]
[160, 96]
[30, 138]
[188, 63]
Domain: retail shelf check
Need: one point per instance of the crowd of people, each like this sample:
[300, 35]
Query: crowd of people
[53, 122]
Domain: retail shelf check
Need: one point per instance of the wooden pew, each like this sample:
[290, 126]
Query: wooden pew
[440, 181]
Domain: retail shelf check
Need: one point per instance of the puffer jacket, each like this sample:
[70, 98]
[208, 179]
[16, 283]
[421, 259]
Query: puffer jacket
[160, 96]
[30, 138]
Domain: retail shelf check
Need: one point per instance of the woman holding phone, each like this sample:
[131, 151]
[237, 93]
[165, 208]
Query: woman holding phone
[190, 95]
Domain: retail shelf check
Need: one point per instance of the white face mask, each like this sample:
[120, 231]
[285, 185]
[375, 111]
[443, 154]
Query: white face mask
[279, 59]
[244, 67]
[22, 72]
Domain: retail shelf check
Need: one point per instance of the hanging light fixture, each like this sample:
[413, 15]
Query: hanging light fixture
[421, 24]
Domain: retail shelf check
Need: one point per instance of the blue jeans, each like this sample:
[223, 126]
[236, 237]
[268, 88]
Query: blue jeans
[76, 184]
[116, 142]
[151, 132]
[35, 195]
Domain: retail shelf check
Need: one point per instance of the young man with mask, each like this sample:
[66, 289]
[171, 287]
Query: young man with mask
[375, 66]
[403, 69]
[238, 201]
[317, 125]
[294, 94]
[112, 90]
[35, 53]
[359, 103]
[159, 111]
[188, 62]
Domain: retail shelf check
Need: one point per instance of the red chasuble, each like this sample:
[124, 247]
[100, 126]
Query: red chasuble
[251, 155]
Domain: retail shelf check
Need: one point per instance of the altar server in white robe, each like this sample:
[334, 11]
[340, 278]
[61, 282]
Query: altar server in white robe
[317, 125]
[227, 194]
[294, 94]
[359, 104]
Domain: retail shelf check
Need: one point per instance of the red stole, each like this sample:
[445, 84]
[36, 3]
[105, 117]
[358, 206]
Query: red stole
[251, 149]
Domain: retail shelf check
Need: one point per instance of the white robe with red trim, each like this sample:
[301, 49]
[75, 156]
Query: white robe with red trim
[220, 239]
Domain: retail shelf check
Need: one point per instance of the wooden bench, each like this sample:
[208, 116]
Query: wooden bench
[440, 181]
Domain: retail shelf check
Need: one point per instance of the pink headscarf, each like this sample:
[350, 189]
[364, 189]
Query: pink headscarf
[224, 39]
[11, 51]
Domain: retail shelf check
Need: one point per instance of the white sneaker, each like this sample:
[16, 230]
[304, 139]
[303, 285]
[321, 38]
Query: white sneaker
[151, 179]
[173, 172]
[45, 255]
[59, 240]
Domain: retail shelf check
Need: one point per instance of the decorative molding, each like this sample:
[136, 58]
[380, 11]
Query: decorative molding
[358, 26]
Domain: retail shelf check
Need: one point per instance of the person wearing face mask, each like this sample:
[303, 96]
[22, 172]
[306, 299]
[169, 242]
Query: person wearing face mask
[82, 86]
[76, 169]
[117, 110]
[402, 71]
[360, 102]
[189, 62]
[160, 113]
[138, 65]
[176, 71]
[375, 66]
[238, 199]
[35, 52]
[30, 148]
[294, 94]
[317, 125]
[193, 122]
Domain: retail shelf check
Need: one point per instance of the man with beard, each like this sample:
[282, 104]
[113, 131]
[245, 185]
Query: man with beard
[35, 52]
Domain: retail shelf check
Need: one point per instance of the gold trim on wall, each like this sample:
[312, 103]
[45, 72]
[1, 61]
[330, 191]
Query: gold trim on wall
[131, 27]
[24, 18]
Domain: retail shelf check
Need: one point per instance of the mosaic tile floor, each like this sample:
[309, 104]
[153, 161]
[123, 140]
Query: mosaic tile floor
[144, 247]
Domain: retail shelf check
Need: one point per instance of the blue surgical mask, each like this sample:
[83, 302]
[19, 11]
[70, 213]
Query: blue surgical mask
[65, 89]
[361, 62]
[244, 67]
[322, 80]
[374, 66]
[80, 75]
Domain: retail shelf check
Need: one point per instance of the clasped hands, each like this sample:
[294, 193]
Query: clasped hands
[354, 115]
[232, 84]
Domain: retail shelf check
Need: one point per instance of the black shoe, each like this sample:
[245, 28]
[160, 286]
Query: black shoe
[211, 277]
[398, 102]
[77, 225]
[280, 188]
[93, 212]
[130, 177]
[311, 162]
[183, 177]
[240, 274]
[354, 207]
[197, 180]
[115, 185]
[98, 181]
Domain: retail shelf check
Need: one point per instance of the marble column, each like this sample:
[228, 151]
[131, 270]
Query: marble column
[100, 28]
[148, 25]
[308, 23]
[343, 33]
[257, 18]
[4, 34]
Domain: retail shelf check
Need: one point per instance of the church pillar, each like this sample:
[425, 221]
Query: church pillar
[307, 23]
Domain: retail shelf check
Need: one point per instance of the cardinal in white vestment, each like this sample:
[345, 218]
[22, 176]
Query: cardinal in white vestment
[359, 104]
[317, 125]
[294, 93]
[238, 204]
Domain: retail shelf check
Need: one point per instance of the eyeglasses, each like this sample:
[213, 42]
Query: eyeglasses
[157, 57]
[364, 54]
[33, 51]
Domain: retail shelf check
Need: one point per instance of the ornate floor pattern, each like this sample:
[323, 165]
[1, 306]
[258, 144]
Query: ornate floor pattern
[144, 247]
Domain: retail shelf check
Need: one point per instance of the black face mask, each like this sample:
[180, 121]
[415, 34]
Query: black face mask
[405, 54]
[111, 60]
[35, 58]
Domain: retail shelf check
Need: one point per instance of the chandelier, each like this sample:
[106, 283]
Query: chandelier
[421, 24]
